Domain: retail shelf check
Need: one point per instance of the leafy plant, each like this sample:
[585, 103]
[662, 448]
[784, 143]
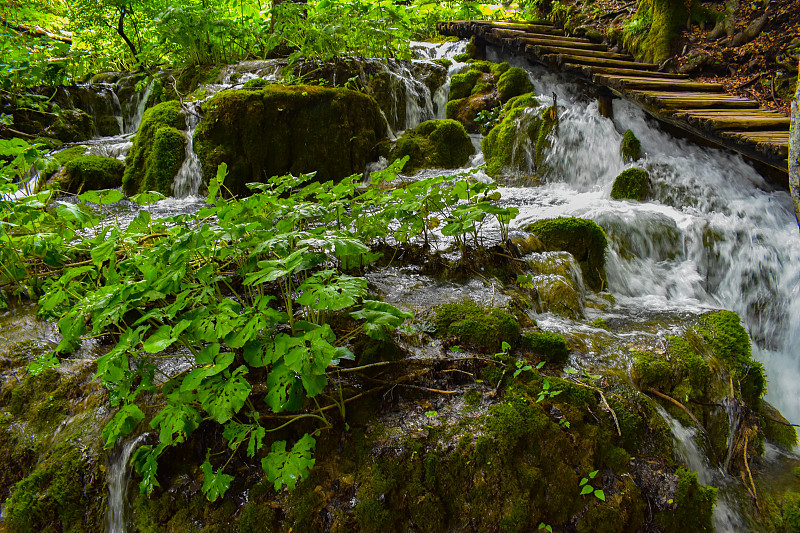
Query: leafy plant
[586, 488]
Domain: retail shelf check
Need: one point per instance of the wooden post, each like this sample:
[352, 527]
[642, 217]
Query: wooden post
[604, 104]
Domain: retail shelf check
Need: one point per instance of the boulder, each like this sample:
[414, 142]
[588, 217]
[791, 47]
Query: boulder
[507, 146]
[631, 184]
[288, 129]
[90, 172]
[442, 143]
[158, 150]
[630, 148]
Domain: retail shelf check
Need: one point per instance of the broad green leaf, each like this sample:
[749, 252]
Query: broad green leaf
[177, 420]
[237, 433]
[330, 291]
[285, 389]
[145, 462]
[159, 340]
[80, 214]
[194, 378]
[289, 468]
[381, 318]
[104, 251]
[102, 197]
[123, 422]
[600, 494]
[214, 484]
[144, 199]
[586, 489]
[222, 397]
[215, 183]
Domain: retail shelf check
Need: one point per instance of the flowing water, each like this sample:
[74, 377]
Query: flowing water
[714, 235]
[118, 476]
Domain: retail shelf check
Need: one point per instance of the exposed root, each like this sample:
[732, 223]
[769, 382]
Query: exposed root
[679, 404]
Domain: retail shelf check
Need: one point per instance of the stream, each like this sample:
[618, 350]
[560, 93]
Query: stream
[716, 235]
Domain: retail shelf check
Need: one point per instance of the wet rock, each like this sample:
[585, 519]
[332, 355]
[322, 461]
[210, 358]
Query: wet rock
[583, 238]
[477, 90]
[630, 148]
[158, 150]
[631, 184]
[288, 129]
[434, 144]
[509, 146]
[90, 172]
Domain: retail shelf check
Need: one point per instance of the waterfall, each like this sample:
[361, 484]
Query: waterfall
[190, 175]
[118, 475]
[139, 104]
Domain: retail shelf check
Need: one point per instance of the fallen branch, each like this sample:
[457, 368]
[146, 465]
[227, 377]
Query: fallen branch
[679, 404]
[750, 81]
[34, 30]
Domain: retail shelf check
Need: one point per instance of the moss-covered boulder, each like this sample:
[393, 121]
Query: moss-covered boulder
[630, 148]
[513, 82]
[507, 145]
[477, 90]
[158, 150]
[288, 129]
[549, 345]
[473, 324]
[693, 506]
[90, 172]
[583, 238]
[442, 143]
[556, 282]
[631, 184]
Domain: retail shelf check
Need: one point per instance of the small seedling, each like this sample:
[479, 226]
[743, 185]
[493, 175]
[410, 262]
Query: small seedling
[586, 488]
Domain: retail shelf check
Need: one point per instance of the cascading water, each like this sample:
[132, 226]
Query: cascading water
[118, 475]
[190, 175]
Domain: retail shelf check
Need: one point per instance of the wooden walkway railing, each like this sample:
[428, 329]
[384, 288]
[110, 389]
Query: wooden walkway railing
[703, 110]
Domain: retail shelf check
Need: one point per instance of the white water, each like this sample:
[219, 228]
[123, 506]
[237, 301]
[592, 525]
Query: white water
[190, 176]
[118, 476]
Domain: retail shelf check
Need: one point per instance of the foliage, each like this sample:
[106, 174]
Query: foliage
[240, 290]
[586, 488]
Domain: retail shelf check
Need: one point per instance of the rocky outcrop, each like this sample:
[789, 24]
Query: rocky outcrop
[296, 129]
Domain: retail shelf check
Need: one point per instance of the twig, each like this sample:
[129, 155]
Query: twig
[750, 81]
[679, 404]
[461, 371]
[362, 367]
[749, 474]
[606, 406]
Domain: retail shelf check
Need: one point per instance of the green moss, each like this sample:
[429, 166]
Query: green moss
[583, 238]
[462, 57]
[631, 184]
[288, 129]
[461, 85]
[790, 511]
[442, 143]
[543, 142]
[474, 324]
[472, 398]
[729, 341]
[92, 172]
[547, 344]
[63, 493]
[255, 83]
[71, 126]
[255, 518]
[513, 82]
[443, 61]
[776, 428]
[656, 24]
[652, 370]
[157, 152]
[504, 146]
[693, 507]
[65, 156]
[630, 148]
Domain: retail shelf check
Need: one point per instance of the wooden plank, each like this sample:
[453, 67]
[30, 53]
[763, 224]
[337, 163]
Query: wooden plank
[544, 50]
[730, 112]
[634, 72]
[620, 82]
[744, 123]
[527, 28]
[561, 42]
[560, 59]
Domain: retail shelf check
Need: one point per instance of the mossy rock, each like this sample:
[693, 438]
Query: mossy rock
[441, 143]
[471, 323]
[91, 172]
[158, 150]
[548, 128]
[551, 346]
[65, 492]
[461, 85]
[630, 148]
[776, 428]
[583, 238]
[790, 511]
[693, 507]
[72, 126]
[475, 90]
[631, 184]
[288, 129]
[255, 83]
[513, 82]
[504, 148]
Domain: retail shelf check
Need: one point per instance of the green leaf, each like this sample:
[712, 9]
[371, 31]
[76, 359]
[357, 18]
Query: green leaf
[102, 197]
[124, 421]
[80, 214]
[583, 482]
[586, 489]
[288, 468]
[215, 183]
[286, 391]
[222, 398]
[600, 494]
[144, 199]
[194, 378]
[42, 363]
[381, 318]
[160, 340]
[176, 421]
[103, 252]
[237, 433]
[145, 462]
[592, 474]
[214, 484]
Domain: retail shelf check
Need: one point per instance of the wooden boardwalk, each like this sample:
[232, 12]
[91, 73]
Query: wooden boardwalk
[703, 110]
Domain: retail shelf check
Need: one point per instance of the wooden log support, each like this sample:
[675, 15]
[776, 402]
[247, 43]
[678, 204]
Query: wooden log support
[702, 110]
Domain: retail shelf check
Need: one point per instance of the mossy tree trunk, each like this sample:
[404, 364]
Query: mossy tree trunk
[794, 153]
[668, 17]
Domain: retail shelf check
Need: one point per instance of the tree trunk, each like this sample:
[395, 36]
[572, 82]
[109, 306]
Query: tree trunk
[121, 31]
[794, 153]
